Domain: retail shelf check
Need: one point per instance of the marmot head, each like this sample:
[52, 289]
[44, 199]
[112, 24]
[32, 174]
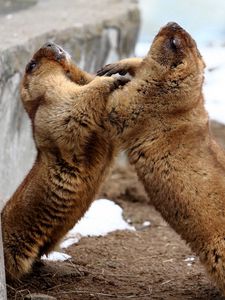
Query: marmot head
[44, 103]
[46, 63]
[177, 69]
[176, 52]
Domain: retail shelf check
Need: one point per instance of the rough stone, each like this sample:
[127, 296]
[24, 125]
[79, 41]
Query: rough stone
[94, 34]
[39, 297]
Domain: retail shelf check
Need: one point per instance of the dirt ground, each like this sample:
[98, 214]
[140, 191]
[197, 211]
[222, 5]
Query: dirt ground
[148, 263]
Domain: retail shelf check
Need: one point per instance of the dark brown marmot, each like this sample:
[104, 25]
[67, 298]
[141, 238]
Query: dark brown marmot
[161, 119]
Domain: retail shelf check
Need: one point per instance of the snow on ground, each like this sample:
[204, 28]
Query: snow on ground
[214, 86]
[103, 216]
[56, 256]
[146, 223]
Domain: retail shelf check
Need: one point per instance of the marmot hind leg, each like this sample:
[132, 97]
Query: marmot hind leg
[17, 263]
[213, 258]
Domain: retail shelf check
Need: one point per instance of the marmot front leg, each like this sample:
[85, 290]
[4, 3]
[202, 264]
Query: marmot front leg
[122, 67]
[93, 99]
[78, 76]
[102, 86]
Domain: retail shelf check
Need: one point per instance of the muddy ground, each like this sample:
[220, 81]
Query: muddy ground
[146, 264]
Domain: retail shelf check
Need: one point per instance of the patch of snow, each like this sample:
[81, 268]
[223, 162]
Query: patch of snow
[70, 240]
[103, 216]
[146, 223]
[56, 256]
[214, 87]
[191, 258]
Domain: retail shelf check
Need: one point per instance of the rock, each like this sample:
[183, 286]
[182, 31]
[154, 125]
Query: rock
[94, 34]
[39, 297]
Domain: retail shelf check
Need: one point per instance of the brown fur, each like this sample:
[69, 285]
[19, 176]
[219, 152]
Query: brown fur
[161, 119]
[74, 153]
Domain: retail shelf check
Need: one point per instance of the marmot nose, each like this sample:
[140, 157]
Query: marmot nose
[174, 26]
[54, 48]
[49, 45]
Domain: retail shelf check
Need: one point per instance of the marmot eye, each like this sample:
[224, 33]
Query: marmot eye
[174, 43]
[32, 64]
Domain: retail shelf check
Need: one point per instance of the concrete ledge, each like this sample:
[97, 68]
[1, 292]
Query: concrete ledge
[94, 34]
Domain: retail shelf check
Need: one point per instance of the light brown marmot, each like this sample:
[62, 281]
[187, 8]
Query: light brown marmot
[74, 153]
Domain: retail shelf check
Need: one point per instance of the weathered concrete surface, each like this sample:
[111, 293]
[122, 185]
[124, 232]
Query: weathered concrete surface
[11, 6]
[2, 270]
[93, 32]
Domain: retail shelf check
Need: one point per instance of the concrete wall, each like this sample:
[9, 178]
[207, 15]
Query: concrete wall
[92, 33]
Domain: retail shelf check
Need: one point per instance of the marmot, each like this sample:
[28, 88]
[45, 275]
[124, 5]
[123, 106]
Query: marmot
[74, 153]
[164, 126]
